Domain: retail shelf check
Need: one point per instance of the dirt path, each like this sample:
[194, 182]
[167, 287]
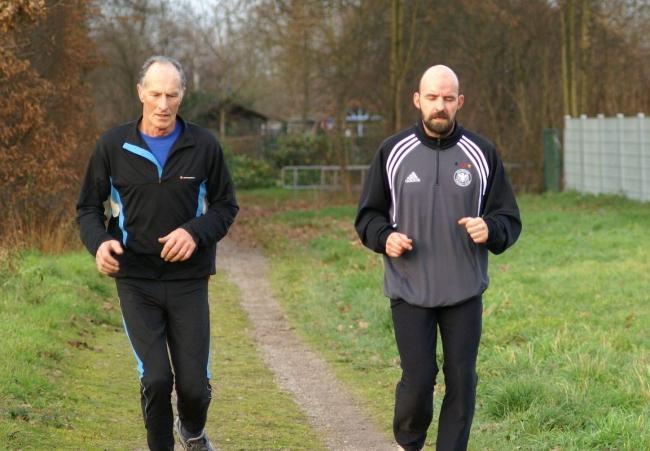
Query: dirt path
[298, 370]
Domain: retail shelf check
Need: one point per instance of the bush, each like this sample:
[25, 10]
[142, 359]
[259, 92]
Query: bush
[248, 172]
[298, 149]
[45, 128]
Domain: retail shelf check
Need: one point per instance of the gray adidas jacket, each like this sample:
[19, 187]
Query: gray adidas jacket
[421, 186]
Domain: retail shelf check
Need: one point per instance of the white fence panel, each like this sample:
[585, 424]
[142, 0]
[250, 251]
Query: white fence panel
[608, 155]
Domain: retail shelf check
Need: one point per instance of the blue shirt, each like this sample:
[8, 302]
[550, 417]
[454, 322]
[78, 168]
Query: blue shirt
[160, 146]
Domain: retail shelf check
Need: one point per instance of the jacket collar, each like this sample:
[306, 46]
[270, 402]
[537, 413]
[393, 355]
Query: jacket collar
[186, 138]
[439, 143]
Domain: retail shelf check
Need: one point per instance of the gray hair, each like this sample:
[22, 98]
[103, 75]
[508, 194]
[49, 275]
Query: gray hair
[164, 60]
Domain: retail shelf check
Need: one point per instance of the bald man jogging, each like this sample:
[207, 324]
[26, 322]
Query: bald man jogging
[435, 201]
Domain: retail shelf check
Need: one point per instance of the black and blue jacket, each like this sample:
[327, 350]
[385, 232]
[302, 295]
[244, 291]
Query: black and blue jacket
[193, 191]
[422, 186]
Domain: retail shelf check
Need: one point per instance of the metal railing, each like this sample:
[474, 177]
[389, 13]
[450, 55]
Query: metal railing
[328, 177]
[324, 177]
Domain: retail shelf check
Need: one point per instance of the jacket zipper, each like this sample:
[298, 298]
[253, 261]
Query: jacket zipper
[438, 163]
[173, 150]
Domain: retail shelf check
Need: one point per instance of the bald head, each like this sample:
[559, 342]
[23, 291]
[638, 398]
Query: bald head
[438, 100]
[438, 74]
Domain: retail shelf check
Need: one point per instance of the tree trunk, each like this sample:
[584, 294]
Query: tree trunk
[222, 122]
[341, 145]
[573, 60]
[546, 113]
[396, 28]
[569, 60]
[305, 75]
[400, 59]
[584, 54]
[565, 64]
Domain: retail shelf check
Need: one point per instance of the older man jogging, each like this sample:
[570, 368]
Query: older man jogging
[171, 199]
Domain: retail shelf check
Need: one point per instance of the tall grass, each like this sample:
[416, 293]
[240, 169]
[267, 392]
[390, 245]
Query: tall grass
[564, 360]
[50, 232]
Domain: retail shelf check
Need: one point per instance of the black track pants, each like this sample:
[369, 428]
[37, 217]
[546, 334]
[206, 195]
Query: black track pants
[169, 320]
[415, 333]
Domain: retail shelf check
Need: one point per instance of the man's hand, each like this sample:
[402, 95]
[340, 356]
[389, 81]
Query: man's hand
[477, 229]
[397, 243]
[106, 263]
[178, 246]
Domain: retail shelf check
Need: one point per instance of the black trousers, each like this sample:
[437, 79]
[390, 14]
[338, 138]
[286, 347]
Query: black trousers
[168, 324]
[415, 333]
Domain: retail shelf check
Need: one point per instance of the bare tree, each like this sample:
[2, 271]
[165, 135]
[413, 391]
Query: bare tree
[523, 64]
[126, 32]
[403, 42]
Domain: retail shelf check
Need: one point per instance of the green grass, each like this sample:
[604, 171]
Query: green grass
[564, 359]
[68, 378]
[248, 410]
[46, 319]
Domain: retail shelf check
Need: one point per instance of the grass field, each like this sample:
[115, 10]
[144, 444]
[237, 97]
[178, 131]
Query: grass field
[68, 378]
[52, 310]
[564, 360]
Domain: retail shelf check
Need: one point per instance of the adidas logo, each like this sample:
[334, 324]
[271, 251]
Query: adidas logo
[412, 178]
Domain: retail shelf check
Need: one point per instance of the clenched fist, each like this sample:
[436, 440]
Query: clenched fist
[476, 227]
[397, 243]
[106, 263]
